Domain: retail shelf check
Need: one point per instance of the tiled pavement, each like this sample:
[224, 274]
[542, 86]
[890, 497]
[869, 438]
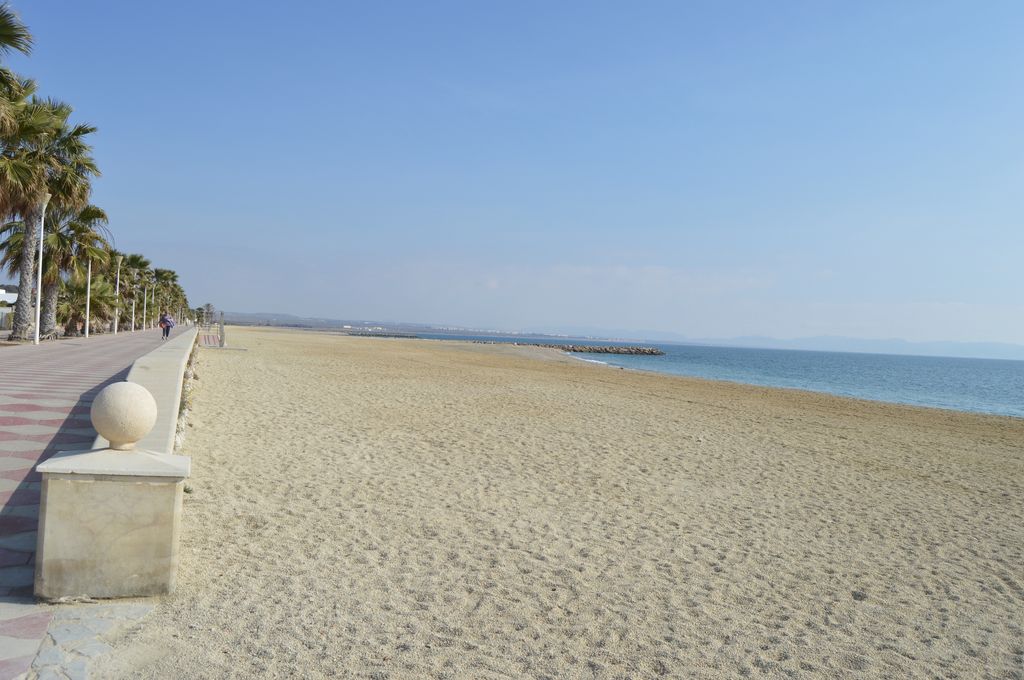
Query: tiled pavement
[45, 394]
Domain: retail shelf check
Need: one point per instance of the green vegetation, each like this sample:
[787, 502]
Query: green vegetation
[46, 164]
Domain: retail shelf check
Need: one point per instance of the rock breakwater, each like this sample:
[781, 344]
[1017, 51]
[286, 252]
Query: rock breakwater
[599, 349]
[585, 349]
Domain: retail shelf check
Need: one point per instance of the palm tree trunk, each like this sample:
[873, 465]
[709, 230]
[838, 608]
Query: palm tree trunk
[71, 328]
[26, 278]
[48, 320]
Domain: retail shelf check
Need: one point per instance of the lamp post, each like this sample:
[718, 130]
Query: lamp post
[117, 294]
[145, 298]
[88, 297]
[39, 277]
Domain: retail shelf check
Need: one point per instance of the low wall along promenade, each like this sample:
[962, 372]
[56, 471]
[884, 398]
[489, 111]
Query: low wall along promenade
[110, 517]
[161, 372]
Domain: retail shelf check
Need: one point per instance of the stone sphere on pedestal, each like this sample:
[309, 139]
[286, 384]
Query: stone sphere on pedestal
[123, 413]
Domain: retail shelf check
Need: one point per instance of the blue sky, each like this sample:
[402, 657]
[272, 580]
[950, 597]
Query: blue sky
[710, 169]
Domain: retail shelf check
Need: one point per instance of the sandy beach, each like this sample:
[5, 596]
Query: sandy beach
[384, 508]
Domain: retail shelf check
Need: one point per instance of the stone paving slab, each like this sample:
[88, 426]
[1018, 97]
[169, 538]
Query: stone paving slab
[78, 634]
[26, 624]
[18, 497]
[13, 577]
[14, 608]
[19, 511]
[23, 542]
[15, 445]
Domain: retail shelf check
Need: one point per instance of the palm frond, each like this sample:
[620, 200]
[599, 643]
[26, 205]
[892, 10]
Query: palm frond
[14, 35]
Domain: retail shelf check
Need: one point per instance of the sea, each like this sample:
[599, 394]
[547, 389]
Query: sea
[992, 386]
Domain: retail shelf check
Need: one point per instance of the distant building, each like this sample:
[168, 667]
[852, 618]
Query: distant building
[8, 293]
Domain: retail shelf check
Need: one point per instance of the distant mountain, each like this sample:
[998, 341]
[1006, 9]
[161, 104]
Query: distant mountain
[824, 343]
[283, 319]
[257, 317]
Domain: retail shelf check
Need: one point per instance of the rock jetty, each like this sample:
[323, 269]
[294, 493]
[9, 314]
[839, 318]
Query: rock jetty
[599, 349]
[376, 334]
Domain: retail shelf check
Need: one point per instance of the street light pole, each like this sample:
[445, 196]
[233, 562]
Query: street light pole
[145, 298]
[88, 297]
[39, 277]
[117, 294]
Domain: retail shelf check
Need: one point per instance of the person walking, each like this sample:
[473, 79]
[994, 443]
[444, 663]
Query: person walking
[166, 323]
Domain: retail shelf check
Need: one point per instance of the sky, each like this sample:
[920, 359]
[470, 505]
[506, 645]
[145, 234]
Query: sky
[709, 169]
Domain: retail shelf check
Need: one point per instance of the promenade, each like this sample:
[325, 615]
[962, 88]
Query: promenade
[45, 395]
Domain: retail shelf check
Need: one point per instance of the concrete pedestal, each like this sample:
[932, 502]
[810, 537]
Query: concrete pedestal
[109, 523]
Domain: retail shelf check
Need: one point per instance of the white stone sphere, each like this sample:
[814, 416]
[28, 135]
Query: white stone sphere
[123, 413]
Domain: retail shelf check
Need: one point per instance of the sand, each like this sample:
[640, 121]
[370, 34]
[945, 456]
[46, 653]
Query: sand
[382, 508]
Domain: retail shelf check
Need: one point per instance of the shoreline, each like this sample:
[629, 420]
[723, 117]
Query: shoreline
[800, 390]
[684, 376]
[723, 381]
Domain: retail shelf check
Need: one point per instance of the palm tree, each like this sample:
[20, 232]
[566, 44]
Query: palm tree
[133, 267]
[177, 301]
[58, 162]
[112, 272]
[11, 248]
[14, 36]
[164, 279]
[23, 177]
[42, 153]
[71, 302]
[20, 118]
[72, 241]
[146, 279]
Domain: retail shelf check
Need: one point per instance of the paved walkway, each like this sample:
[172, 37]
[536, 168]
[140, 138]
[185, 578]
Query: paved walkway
[45, 395]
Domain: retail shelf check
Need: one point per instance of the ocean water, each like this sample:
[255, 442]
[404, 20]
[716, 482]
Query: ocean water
[991, 386]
